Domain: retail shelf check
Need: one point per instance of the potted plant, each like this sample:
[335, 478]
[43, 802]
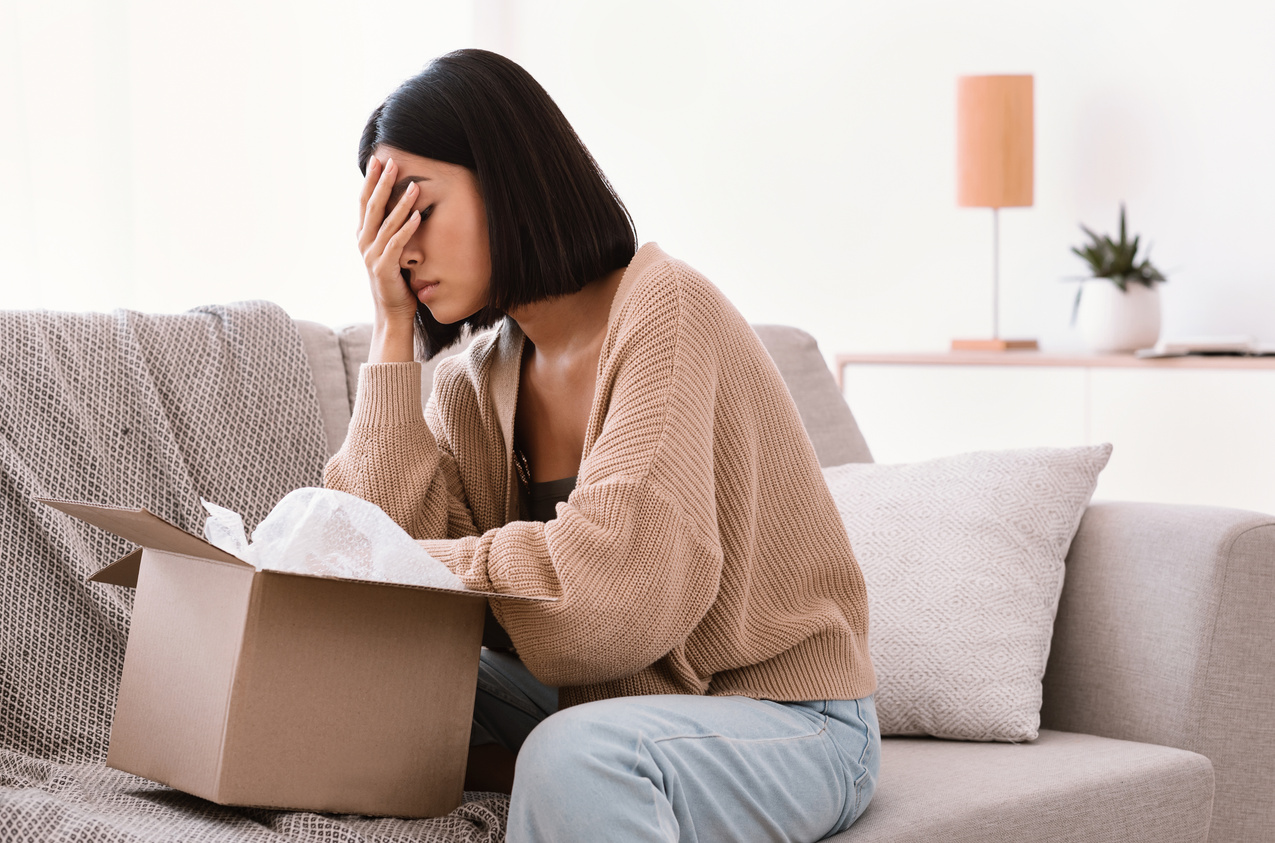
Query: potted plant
[1121, 312]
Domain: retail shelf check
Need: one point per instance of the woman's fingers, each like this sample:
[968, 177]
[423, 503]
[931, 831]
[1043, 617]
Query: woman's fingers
[394, 246]
[393, 297]
[382, 256]
[374, 210]
[369, 184]
[367, 207]
[394, 220]
[383, 235]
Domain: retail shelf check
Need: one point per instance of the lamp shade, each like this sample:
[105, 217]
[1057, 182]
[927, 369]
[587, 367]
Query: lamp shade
[994, 141]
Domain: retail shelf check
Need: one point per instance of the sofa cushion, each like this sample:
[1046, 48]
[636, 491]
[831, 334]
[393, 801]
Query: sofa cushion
[1061, 787]
[824, 413]
[963, 559]
[327, 367]
[355, 341]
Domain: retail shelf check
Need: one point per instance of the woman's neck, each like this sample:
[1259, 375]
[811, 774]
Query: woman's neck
[569, 327]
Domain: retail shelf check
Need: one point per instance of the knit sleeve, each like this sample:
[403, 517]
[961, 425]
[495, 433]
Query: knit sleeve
[633, 556]
[392, 458]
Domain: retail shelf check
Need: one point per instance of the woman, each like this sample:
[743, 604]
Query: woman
[622, 442]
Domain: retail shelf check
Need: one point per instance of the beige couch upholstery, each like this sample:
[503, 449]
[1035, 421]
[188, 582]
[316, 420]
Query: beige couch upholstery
[1159, 697]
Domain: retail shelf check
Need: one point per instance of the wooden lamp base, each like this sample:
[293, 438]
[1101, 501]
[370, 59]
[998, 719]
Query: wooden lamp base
[995, 345]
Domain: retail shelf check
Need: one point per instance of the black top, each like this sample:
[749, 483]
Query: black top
[536, 502]
[539, 502]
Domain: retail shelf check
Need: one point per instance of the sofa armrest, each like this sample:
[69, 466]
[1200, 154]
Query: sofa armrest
[1166, 634]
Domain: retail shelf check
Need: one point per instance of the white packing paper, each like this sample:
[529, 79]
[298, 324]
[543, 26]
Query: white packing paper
[329, 533]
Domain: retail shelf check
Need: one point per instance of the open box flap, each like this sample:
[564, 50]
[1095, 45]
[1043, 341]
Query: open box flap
[122, 571]
[142, 527]
[149, 530]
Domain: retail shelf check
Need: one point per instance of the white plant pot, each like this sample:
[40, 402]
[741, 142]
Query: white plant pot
[1113, 322]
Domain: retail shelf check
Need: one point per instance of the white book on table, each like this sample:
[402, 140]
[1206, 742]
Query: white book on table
[1240, 345]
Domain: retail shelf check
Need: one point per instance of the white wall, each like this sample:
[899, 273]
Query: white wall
[160, 155]
[803, 154]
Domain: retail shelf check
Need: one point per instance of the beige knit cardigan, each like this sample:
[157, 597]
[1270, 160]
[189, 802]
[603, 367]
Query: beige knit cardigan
[700, 552]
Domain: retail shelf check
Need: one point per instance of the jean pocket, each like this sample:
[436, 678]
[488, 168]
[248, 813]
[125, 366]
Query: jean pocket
[865, 782]
[864, 786]
[856, 736]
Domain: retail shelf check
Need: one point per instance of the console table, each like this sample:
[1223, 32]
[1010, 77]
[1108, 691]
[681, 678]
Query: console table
[1195, 430]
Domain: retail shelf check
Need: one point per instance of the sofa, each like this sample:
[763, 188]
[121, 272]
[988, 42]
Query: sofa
[1158, 716]
[1158, 720]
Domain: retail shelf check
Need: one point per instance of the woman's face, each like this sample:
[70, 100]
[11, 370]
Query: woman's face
[448, 257]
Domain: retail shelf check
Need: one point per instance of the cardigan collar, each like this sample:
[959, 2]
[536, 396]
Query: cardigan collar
[505, 362]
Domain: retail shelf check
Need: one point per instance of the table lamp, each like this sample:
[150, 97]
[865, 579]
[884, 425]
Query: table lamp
[994, 164]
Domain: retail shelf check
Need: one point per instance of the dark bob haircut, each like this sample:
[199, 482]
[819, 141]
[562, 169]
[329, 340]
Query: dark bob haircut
[554, 223]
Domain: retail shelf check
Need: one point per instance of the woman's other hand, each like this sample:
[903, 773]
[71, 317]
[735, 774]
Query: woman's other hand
[381, 240]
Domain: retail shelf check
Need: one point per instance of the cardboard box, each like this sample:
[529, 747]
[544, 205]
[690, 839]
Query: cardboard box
[283, 690]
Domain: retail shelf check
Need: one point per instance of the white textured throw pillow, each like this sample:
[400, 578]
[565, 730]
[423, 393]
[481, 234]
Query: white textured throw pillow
[963, 561]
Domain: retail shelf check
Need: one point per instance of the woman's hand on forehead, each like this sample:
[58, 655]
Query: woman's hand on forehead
[387, 223]
[396, 192]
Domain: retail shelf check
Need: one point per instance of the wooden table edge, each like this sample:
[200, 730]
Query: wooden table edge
[1040, 358]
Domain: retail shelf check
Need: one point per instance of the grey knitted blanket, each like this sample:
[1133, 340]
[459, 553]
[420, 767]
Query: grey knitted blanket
[145, 410]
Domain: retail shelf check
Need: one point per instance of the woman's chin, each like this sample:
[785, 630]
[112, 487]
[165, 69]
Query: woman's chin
[443, 315]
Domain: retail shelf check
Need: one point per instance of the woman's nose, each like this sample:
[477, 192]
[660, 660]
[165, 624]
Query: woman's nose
[412, 254]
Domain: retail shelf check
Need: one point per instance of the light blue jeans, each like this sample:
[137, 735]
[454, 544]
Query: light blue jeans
[676, 767]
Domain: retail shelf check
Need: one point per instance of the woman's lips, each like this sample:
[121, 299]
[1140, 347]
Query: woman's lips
[426, 290]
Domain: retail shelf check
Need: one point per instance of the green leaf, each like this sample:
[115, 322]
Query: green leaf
[1114, 260]
[1149, 274]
